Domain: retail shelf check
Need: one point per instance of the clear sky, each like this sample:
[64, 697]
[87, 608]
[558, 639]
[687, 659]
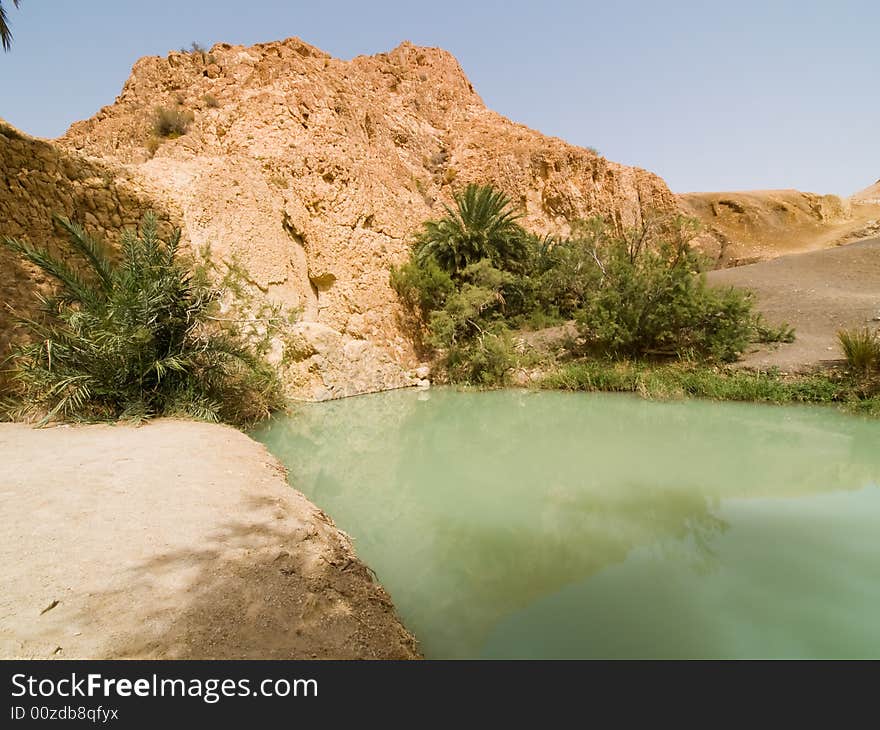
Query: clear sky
[710, 95]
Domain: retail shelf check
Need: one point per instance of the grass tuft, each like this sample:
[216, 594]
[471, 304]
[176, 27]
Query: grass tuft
[861, 348]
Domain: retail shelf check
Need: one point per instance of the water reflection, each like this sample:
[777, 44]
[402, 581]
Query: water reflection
[496, 518]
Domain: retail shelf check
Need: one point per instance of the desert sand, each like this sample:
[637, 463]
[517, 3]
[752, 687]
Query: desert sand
[174, 540]
[817, 293]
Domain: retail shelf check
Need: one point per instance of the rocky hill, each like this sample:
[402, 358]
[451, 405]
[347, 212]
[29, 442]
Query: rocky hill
[312, 173]
[755, 225]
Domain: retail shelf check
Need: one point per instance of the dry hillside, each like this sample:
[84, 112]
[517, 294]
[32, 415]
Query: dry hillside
[758, 225]
[869, 196]
[818, 293]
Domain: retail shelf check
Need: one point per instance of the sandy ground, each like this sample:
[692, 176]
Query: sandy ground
[174, 540]
[817, 293]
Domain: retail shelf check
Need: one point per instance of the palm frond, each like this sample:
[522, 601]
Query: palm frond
[75, 287]
[5, 32]
[91, 249]
[482, 224]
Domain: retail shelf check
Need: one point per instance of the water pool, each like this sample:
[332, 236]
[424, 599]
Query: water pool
[523, 524]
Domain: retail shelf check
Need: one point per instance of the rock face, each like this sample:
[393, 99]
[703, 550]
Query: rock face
[313, 173]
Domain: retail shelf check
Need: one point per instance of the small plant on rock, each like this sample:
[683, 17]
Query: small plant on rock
[171, 123]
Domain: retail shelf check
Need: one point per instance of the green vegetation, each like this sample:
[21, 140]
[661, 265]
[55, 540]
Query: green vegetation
[767, 333]
[481, 226]
[5, 32]
[476, 275]
[630, 311]
[862, 350]
[683, 379]
[465, 279]
[135, 336]
[647, 297]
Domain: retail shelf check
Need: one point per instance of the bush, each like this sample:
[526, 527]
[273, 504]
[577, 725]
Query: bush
[171, 123]
[634, 293]
[651, 299]
[658, 307]
[768, 333]
[134, 338]
[483, 360]
[422, 288]
[861, 347]
[564, 273]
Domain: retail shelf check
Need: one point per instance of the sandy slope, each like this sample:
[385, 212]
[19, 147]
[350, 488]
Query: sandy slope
[174, 540]
[818, 293]
[758, 225]
[869, 196]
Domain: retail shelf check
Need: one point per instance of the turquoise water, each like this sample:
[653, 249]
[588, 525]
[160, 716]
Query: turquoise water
[517, 524]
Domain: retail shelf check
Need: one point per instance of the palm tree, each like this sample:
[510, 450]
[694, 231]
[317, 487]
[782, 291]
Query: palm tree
[133, 335]
[482, 225]
[5, 33]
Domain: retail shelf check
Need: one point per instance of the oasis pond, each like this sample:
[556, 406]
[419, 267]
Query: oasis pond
[522, 524]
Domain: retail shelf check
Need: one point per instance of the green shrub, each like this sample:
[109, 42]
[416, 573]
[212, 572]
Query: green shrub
[651, 299]
[564, 275]
[171, 123]
[210, 101]
[861, 347]
[464, 316]
[768, 333]
[134, 338]
[422, 287]
[486, 359]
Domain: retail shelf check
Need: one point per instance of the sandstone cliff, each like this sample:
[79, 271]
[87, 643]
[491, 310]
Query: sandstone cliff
[313, 173]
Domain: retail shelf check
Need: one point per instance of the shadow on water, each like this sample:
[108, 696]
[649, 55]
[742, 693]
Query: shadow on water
[514, 523]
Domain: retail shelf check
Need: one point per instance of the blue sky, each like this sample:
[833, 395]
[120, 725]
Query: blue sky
[710, 95]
